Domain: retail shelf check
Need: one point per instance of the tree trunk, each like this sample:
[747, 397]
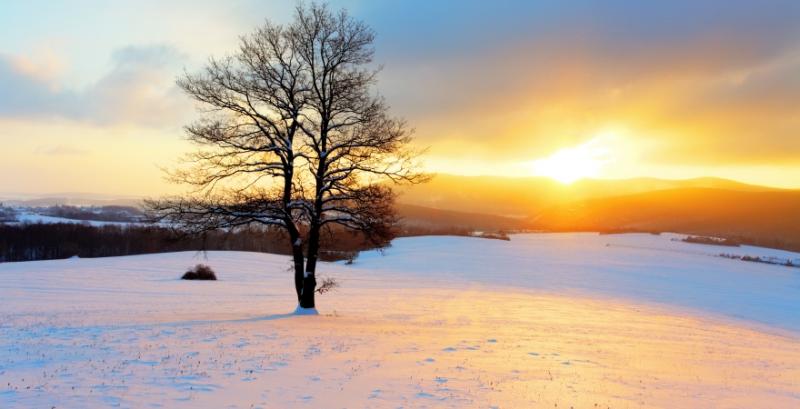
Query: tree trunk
[297, 255]
[307, 293]
[294, 234]
[309, 278]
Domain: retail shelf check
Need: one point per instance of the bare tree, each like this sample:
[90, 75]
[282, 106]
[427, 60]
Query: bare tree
[294, 136]
[351, 139]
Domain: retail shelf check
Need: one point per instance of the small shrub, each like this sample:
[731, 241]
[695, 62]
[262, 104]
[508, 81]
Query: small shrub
[337, 255]
[351, 258]
[714, 241]
[200, 272]
[766, 260]
[489, 235]
[328, 284]
[625, 230]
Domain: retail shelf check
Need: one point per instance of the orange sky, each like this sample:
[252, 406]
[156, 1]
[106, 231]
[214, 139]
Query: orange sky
[589, 89]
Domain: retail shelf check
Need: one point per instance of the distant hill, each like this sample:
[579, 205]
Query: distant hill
[521, 197]
[69, 199]
[426, 217]
[707, 206]
[766, 218]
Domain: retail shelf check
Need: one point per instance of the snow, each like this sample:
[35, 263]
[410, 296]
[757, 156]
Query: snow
[305, 311]
[34, 218]
[640, 267]
[577, 320]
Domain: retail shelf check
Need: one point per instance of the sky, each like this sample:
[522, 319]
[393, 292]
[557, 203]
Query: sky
[605, 89]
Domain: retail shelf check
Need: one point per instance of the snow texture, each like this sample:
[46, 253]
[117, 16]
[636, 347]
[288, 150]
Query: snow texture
[551, 320]
[641, 267]
[34, 218]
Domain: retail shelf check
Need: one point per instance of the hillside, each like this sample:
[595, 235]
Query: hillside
[767, 218]
[709, 206]
[526, 196]
[428, 218]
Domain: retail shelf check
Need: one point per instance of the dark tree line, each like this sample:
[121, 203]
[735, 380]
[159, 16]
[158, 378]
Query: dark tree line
[28, 242]
[99, 213]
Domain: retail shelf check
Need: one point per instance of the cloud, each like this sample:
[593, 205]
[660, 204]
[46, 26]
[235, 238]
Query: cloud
[138, 89]
[693, 82]
[25, 92]
[61, 150]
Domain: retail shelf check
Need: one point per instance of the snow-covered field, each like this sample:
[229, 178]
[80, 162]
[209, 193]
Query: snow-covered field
[639, 267]
[33, 218]
[573, 320]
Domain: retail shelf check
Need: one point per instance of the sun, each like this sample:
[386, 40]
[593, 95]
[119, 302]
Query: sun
[568, 165]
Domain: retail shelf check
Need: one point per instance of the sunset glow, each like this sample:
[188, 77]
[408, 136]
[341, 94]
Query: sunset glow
[570, 164]
[715, 95]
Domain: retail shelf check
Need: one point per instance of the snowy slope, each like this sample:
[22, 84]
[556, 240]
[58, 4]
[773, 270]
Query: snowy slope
[617, 321]
[30, 217]
[640, 267]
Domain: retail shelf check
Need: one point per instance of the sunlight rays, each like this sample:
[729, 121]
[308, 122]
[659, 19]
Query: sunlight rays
[568, 165]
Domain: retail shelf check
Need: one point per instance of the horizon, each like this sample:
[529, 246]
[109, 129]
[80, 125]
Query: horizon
[129, 196]
[610, 92]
